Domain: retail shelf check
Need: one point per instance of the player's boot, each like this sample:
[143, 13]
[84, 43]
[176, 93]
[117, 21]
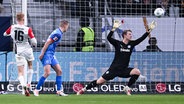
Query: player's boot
[80, 92]
[61, 93]
[26, 91]
[23, 91]
[36, 92]
[127, 90]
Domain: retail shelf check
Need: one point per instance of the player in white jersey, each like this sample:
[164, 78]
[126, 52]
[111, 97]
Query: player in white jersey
[23, 51]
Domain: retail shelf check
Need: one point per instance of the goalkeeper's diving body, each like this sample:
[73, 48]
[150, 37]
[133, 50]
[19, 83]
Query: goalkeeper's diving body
[119, 66]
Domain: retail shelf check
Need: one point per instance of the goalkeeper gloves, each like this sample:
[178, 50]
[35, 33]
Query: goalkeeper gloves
[116, 25]
[152, 26]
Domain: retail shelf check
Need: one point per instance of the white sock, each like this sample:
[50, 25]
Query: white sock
[84, 89]
[21, 79]
[61, 88]
[30, 75]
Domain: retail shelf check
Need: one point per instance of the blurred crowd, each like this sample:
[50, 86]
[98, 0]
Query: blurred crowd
[118, 7]
[146, 7]
[1, 6]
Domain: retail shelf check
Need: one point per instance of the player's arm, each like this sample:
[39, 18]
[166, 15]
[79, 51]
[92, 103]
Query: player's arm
[46, 45]
[7, 32]
[79, 42]
[150, 28]
[109, 37]
[139, 40]
[53, 38]
[32, 37]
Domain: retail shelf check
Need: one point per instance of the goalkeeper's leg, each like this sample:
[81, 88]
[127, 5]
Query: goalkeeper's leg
[135, 73]
[92, 84]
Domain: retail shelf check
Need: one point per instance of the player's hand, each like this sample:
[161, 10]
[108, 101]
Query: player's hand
[41, 57]
[116, 25]
[152, 26]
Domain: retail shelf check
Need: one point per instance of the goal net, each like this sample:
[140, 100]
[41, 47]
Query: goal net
[161, 72]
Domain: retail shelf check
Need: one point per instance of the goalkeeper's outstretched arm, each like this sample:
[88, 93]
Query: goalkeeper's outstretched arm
[139, 40]
[150, 28]
[116, 25]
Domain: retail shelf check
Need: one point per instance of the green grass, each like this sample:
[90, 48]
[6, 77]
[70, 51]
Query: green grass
[92, 99]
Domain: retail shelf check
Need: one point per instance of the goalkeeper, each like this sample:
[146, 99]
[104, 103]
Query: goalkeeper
[119, 66]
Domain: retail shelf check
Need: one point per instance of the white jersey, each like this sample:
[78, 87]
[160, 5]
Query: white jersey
[20, 35]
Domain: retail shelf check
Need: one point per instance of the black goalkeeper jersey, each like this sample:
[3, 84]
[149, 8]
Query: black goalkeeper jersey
[123, 51]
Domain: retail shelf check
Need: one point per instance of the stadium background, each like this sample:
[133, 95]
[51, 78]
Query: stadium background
[164, 70]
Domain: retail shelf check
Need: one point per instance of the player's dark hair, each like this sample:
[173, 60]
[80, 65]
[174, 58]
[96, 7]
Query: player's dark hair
[125, 32]
[20, 16]
[84, 22]
[63, 23]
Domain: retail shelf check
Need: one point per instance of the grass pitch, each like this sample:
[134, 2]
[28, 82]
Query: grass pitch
[92, 99]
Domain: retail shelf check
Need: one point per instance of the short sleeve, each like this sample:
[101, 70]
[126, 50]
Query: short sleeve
[30, 33]
[55, 37]
[8, 30]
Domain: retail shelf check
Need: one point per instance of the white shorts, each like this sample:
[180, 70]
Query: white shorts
[25, 56]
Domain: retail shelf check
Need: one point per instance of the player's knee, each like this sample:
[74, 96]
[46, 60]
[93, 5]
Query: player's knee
[100, 81]
[59, 72]
[136, 72]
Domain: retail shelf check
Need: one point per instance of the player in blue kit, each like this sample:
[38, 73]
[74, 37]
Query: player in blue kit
[49, 60]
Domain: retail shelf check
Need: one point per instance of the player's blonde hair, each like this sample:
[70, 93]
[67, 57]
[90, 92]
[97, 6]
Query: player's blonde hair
[63, 23]
[20, 16]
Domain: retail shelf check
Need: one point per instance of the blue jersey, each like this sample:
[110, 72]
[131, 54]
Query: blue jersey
[56, 36]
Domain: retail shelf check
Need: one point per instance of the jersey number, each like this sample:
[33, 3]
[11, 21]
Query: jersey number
[19, 35]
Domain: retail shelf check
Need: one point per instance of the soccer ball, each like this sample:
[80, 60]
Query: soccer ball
[159, 12]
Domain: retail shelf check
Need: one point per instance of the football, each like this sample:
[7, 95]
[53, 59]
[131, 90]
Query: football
[159, 12]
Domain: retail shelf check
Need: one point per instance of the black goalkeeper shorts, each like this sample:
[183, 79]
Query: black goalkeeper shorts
[112, 73]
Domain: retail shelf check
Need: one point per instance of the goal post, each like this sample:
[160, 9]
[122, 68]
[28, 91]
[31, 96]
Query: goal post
[24, 10]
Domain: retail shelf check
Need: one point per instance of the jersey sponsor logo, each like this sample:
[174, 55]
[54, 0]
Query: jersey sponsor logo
[124, 50]
[160, 87]
[55, 38]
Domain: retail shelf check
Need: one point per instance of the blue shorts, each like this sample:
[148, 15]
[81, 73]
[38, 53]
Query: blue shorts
[49, 60]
